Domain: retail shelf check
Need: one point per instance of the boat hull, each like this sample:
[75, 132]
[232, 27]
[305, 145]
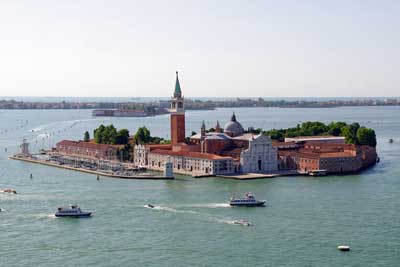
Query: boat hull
[256, 204]
[81, 215]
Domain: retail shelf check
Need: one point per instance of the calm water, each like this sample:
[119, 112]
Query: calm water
[306, 218]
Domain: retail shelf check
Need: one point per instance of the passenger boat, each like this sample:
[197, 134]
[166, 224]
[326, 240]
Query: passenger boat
[248, 201]
[72, 211]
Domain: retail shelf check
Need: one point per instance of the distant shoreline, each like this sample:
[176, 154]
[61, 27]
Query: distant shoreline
[159, 107]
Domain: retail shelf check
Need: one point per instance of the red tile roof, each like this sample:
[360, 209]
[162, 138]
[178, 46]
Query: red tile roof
[189, 154]
[158, 146]
[89, 145]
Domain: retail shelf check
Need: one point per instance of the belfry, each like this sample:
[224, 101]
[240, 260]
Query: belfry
[177, 115]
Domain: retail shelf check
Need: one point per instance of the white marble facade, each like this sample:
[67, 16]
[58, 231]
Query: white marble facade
[260, 156]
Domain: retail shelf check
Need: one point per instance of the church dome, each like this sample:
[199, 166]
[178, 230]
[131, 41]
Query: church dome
[233, 128]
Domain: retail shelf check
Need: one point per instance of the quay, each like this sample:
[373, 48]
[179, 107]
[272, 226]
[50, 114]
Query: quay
[96, 172]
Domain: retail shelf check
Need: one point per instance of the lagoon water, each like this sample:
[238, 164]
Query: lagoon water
[305, 219]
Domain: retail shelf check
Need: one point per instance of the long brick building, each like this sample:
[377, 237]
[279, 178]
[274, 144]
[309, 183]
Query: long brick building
[332, 158]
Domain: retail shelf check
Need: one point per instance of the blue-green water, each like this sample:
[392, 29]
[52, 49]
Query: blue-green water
[306, 218]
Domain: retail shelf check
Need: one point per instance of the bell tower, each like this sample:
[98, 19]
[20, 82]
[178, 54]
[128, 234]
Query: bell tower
[177, 115]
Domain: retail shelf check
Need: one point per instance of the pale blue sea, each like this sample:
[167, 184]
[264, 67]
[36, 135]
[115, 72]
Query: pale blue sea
[305, 219]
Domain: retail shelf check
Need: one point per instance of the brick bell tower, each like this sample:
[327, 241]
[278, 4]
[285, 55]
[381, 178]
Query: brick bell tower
[177, 115]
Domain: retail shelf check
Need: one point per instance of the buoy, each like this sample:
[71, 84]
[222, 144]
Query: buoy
[31, 176]
[343, 248]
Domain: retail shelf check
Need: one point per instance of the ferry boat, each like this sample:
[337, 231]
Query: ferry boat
[72, 211]
[248, 201]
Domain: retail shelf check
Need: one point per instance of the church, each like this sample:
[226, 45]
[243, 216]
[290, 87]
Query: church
[227, 150]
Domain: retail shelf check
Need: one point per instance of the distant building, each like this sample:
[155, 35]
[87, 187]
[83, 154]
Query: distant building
[322, 139]
[224, 151]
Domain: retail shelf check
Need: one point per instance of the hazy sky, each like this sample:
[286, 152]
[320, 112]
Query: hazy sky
[220, 48]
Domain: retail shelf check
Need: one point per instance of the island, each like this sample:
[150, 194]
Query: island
[312, 148]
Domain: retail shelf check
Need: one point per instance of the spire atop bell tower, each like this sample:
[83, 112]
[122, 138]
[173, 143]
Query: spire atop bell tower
[178, 91]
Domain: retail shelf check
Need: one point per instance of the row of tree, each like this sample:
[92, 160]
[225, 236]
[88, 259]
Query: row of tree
[108, 135]
[354, 133]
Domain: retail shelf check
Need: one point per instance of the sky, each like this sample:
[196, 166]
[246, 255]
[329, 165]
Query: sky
[244, 48]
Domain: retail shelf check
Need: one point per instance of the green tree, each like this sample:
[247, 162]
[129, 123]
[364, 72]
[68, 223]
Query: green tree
[109, 135]
[313, 128]
[350, 133]
[86, 137]
[98, 134]
[275, 134]
[366, 136]
[335, 128]
[142, 136]
[122, 137]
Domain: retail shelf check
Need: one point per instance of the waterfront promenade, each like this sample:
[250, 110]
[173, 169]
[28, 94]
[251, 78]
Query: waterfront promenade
[96, 172]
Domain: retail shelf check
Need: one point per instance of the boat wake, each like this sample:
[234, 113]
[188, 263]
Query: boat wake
[38, 216]
[232, 222]
[160, 208]
[204, 216]
[211, 205]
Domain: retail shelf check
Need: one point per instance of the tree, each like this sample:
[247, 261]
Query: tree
[313, 128]
[122, 137]
[335, 128]
[109, 135]
[366, 136]
[98, 134]
[142, 136]
[275, 134]
[86, 137]
[350, 133]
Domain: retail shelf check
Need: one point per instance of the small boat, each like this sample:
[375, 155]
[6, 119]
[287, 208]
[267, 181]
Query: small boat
[11, 191]
[247, 201]
[343, 248]
[242, 222]
[150, 206]
[317, 172]
[72, 211]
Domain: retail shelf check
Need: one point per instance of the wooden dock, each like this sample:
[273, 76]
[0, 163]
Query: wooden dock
[96, 172]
